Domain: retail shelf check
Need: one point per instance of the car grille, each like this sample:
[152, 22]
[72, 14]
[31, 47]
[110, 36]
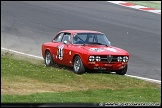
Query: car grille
[107, 58]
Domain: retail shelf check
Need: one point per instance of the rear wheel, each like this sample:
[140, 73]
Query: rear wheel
[122, 71]
[78, 66]
[48, 59]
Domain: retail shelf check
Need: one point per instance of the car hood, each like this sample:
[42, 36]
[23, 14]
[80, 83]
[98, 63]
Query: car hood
[102, 50]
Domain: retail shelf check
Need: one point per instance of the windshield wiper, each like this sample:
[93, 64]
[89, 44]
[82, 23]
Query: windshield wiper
[97, 43]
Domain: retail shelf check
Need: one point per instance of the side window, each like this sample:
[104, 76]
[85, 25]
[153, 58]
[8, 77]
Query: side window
[66, 38]
[58, 37]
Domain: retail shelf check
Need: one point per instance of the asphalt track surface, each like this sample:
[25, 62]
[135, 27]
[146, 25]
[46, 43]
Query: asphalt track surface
[25, 25]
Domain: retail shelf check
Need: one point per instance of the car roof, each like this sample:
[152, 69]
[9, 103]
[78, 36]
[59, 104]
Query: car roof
[81, 31]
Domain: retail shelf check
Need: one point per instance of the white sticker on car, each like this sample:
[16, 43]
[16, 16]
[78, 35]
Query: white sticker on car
[102, 49]
[96, 49]
[69, 52]
[60, 52]
[111, 49]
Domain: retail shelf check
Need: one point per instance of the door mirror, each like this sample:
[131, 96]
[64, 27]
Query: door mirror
[65, 42]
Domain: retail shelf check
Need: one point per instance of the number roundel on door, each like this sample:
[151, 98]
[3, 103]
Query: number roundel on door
[60, 52]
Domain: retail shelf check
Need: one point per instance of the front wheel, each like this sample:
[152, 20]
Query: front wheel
[78, 66]
[122, 71]
[48, 59]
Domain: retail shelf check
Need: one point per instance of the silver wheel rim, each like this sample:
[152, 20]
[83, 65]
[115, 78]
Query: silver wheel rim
[77, 65]
[48, 58]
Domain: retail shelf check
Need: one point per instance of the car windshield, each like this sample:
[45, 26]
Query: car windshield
[91, 38]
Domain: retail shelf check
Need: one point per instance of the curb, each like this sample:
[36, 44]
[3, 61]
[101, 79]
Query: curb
[139, 7]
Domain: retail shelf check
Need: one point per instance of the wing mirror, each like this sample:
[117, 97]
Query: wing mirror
[65, 42]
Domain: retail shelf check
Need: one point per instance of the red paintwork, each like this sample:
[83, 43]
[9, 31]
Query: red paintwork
[83, 52]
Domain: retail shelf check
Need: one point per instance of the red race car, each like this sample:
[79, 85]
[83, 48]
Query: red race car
[85, 50]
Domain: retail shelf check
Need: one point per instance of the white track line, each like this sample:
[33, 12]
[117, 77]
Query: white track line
[21, 53]
[146, 79]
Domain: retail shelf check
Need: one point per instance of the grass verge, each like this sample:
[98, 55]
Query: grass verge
[151, 4]
[29, 81]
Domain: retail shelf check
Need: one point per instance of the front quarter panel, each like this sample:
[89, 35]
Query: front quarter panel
[78, 50]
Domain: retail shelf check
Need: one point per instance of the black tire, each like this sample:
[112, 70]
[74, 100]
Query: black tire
[48, 59]
[78, 66]
[122, 71]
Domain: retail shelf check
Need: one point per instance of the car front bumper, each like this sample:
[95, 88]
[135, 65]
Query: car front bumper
[106, 65]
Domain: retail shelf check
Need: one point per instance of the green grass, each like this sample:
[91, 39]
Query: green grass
[23, 80]
[151, 4]
[130, 95]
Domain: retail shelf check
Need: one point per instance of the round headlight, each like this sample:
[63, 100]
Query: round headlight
[91, 58]
[125, 59]
[119, 59]
[98, 58]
